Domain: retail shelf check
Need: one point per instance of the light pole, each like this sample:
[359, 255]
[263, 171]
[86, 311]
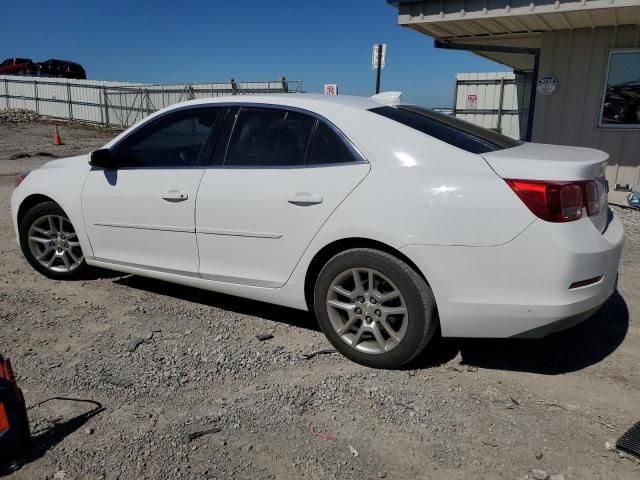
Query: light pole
[378, 67]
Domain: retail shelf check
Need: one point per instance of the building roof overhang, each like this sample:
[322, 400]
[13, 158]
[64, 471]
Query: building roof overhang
[467, 19]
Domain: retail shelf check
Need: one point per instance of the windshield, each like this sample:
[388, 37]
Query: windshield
[449, 129]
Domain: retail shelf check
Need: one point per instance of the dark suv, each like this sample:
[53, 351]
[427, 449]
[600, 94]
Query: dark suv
[61, 68]
[17, 66]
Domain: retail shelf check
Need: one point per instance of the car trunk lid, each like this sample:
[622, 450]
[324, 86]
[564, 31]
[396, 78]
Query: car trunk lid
[555, 163]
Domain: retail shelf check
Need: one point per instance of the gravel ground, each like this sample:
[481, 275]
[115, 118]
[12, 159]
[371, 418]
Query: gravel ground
[166, 362]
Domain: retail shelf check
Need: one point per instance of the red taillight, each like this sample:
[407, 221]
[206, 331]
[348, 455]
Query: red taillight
[592, 197]
[558, 201]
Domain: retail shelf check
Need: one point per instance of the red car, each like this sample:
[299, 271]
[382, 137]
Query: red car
[17, 66]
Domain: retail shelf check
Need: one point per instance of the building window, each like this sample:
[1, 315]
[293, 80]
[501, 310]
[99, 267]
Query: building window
[621, 99]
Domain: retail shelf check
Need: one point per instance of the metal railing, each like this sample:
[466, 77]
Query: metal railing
[117, 104]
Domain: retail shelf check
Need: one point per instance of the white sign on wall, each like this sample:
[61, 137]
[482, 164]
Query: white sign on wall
[331, 89]
[547, 85]
[374, 56]
[472, 102]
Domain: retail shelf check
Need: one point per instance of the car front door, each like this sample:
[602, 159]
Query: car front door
[142, 213]
[260, 205]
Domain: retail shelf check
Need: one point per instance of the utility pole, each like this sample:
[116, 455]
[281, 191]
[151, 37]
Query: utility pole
[378, 67]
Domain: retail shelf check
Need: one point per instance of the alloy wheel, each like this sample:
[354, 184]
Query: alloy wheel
[367, 310]
[53, 242]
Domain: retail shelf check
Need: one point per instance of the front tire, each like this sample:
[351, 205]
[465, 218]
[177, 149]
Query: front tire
[50, 244]
[374, 308]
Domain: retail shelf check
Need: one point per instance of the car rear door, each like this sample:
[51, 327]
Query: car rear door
[142, 214]
[268, 192]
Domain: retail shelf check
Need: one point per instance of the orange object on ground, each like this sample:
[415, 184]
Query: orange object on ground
[14, 422]
[56, 136]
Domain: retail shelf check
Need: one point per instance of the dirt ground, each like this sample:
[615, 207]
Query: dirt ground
[166, 361]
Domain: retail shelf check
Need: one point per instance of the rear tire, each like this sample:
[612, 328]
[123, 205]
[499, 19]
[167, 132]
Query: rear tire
[374, 308]
[50, 244]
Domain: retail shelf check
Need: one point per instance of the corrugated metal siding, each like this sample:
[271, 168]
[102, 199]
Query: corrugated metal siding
[488, 101]
[449, 19]
[118, 104]
[578, 60]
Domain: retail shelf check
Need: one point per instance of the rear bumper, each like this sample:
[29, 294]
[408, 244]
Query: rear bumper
[521, 289]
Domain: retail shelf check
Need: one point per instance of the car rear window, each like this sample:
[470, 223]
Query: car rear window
[327, 148]
[449, 129]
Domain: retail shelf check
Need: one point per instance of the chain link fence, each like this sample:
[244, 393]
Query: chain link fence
[117, 104]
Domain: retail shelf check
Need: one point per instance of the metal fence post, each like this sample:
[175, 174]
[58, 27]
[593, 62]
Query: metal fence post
[6, 93]
[147, 101]
[100, 107]
[35, 91]
[70, 101]
[500, 106]
[106, 106]
[455, 98]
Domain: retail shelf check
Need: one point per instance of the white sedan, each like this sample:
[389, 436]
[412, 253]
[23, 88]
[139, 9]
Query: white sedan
[387, 220]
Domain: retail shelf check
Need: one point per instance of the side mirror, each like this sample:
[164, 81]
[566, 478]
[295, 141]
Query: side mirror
[102, 158]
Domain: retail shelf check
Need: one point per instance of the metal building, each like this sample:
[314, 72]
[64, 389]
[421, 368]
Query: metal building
[580, 59]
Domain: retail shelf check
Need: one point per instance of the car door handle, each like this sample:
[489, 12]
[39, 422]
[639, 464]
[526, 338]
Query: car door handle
[175, 196]
[304, 199]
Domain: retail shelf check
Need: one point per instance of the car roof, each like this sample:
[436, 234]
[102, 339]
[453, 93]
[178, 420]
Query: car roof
[324, 105]
[308, 101]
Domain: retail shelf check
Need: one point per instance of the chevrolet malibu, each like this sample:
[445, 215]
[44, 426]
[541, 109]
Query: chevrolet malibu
[388, 221]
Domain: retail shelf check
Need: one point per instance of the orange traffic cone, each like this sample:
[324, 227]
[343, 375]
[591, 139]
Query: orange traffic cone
[14, 422]
[56, 136]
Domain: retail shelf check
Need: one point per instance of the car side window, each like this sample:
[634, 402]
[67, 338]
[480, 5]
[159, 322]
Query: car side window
[328, 148]
[269, 137]
[174, 140]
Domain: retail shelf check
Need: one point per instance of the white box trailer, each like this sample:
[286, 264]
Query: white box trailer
[497, 101]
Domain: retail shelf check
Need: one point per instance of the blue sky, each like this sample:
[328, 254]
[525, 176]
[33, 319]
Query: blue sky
[167, 41]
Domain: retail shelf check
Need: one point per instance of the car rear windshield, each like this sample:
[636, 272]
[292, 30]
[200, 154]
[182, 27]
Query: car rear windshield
[449, 129]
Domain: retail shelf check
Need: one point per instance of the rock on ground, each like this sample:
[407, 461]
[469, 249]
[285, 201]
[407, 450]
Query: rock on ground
[18, 115]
